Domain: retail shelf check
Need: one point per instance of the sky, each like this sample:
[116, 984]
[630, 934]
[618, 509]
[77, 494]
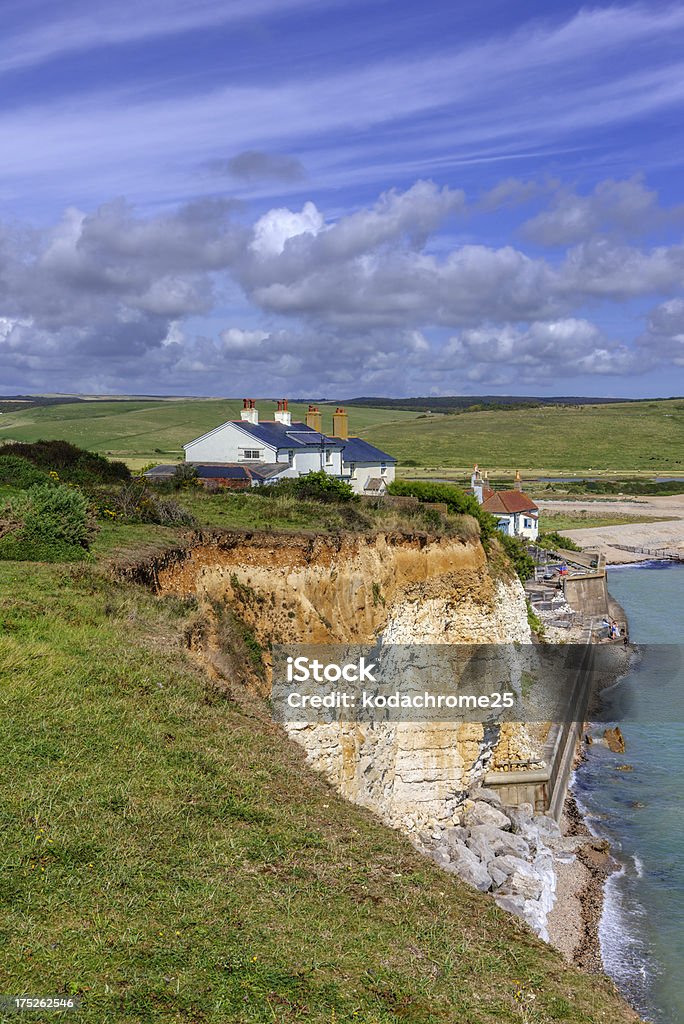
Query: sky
[339, 198]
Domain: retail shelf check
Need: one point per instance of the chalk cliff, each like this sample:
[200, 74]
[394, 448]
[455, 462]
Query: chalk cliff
[353, 589]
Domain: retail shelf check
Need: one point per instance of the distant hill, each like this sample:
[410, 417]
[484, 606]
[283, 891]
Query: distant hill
[478, 403]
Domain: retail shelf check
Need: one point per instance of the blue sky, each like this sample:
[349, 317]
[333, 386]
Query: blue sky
[341, 198]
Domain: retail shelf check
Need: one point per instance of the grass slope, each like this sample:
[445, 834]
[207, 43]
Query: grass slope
[634, 436]
[168, 856]
[140, 431]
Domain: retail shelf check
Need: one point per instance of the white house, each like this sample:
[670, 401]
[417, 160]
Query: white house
[515, 512]
[279, 448]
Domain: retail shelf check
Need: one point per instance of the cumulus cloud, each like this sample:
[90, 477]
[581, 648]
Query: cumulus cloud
[545, 351]
[112, 295]
[616, 207]
[276, 227]
[664, 335]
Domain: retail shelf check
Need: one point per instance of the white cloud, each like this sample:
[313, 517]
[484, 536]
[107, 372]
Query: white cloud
[273, 230]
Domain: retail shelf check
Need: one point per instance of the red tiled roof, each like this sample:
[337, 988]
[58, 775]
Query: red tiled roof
[509, 502]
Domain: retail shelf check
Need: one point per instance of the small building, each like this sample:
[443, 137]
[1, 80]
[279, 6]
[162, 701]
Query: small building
[257, 452]
[515, 513]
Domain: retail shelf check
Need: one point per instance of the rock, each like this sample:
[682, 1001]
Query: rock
[497, 875]
[467, 866]
[489, 796]
[615, 741]
[525, 885]
[520, 817]
[547, 826]
[441, 857]
[454, 837]
[479, 845]
[500, 841]
[509, 863]
[534, 916]
[623, 768]
[512, 904]
[482, 813]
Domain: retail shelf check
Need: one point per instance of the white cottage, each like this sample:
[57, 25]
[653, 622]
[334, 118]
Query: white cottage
[515, 513]
[278, 448]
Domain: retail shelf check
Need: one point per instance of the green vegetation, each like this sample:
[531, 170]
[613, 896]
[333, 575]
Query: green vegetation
[72, 464]
[516, 552]
[141, 431]
[552, 540]
[315, 486]
[47, 522]
[581, 520]
[456, 500]
[168, 856]
[634, 436]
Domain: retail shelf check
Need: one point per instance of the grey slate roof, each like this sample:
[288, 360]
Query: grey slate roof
[358, 450]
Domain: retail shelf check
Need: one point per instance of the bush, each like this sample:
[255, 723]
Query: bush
[48, 523]
[73, 464]
[20, 472]
[53, 511]
[134, 502]
[315, 486]
[184, 476]
[553, 540]
[456, 500]
[518, 556]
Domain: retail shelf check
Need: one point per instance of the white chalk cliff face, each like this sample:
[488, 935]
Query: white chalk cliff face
[415, 776]
[354, 589]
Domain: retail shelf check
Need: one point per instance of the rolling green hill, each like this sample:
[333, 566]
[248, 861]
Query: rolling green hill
[640, 437]
[139, 431]
[637, 436]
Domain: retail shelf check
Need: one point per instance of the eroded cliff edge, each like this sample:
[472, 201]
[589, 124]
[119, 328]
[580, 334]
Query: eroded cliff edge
[351, 588]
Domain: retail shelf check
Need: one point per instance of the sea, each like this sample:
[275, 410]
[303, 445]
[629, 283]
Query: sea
[641, 811]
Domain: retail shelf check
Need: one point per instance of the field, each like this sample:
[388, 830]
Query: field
[635, 437]
[143, 431]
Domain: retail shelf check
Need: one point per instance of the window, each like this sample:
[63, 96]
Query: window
[290, 456]
[352, 470]
[251, 453]
[328, 457]
[383, 468]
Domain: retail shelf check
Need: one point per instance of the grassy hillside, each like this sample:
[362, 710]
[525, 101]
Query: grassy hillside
[168, 856]
[140, 431]
[635, 436]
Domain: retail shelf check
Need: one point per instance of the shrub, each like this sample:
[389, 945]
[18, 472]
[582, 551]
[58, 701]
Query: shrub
[184, 476]
[19, 472]
[73, 464]
[456, 500]
[134, 502]
[553, 540]
[53, 511]
[315, 486]
[47, 523]
[518, 556]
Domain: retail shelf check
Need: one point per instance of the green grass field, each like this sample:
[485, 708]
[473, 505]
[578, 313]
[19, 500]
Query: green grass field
[168, 856]
[644, 436]
[634, 438]
[142, 431]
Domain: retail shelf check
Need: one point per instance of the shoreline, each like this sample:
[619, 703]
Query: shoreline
[575, 919]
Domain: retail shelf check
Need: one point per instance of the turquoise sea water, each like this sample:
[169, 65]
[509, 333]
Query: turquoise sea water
[641, 811]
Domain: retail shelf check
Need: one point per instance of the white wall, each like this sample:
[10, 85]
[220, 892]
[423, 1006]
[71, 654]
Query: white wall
[227, 444]
[364, 471]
